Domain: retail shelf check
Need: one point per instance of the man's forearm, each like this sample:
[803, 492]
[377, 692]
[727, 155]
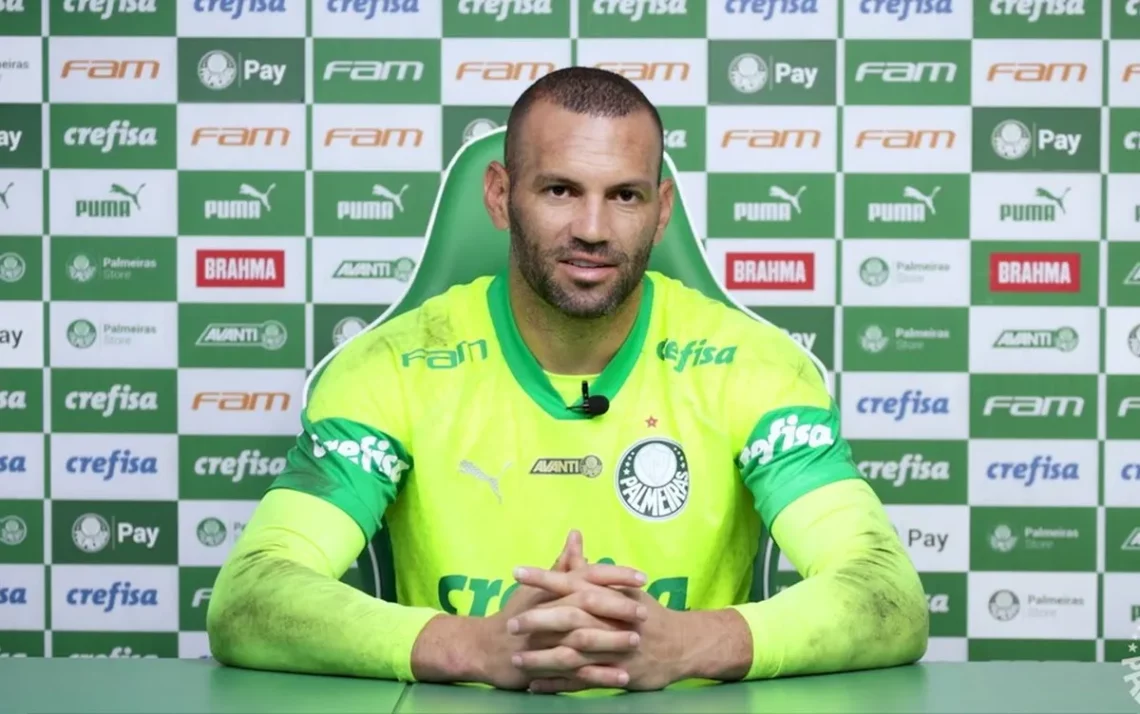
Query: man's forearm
[863, 615]
[452, 648]
[716, 644]
[271, 613]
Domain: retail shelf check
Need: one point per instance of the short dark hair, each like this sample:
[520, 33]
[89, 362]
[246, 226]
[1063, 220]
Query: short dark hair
[582, 90]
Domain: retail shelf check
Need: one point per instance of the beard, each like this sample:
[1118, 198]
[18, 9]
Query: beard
[538, 269]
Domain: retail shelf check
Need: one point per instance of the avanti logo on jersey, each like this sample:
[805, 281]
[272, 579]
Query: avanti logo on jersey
[120, 594]
[400, 269]
[371, 453]
[694, 353]
[114, 463]
[770, 271]
[219, 268]
[1039, 468]
[589, 466]
[1035, 272]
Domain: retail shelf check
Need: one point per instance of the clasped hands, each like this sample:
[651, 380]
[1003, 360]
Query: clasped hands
[580, 626]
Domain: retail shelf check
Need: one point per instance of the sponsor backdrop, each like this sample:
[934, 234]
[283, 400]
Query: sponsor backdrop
[940, 198]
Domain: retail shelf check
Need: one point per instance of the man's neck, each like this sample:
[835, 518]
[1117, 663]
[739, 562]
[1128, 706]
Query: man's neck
[567, 345]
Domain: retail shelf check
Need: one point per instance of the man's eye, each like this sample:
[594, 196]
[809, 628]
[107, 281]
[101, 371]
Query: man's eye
[558, 191]
[627, 195]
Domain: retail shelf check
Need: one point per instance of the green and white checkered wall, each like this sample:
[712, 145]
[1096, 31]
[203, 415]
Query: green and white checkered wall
[941, 198]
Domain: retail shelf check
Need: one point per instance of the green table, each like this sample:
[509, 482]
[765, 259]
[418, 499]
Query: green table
[65, 686]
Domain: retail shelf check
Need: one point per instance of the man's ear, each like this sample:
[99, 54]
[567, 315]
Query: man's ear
[496, 192]
[667, 194]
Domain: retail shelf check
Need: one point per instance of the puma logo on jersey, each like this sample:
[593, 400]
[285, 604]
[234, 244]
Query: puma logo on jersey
[785, 434]
[367, 452]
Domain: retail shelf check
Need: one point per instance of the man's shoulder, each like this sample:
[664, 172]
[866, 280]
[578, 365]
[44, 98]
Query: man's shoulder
[442, 329]
[724, 334]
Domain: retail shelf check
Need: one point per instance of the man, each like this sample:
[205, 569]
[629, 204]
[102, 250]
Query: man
[449, 424]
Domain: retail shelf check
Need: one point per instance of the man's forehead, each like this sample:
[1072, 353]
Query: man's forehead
[552, 134]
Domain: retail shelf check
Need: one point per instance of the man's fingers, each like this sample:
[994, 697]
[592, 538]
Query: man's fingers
[558, 618]
[577, 551]
[556, 662]
[567, 583]
[593, 640]
[562, 563]
[586, 677]
[554, 685]
[608, 605]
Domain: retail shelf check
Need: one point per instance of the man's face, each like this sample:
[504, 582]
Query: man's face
[584, 208]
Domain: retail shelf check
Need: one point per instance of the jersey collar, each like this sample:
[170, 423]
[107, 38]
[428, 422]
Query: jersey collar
[529, 373]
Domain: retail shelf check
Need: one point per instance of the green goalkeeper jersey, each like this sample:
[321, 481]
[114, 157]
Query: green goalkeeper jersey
[440, 426]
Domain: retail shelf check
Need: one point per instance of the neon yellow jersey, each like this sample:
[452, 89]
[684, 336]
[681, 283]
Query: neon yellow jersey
[442, 426]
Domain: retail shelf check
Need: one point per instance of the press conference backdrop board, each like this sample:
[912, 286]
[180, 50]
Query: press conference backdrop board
[940, 198]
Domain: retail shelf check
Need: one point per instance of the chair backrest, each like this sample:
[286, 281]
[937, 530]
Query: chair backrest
[462, 244]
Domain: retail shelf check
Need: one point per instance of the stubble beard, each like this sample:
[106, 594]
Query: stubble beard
[537, 268]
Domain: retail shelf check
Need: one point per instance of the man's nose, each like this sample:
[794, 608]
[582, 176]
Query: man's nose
[591, 223]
